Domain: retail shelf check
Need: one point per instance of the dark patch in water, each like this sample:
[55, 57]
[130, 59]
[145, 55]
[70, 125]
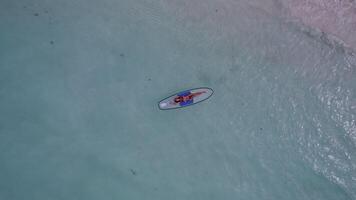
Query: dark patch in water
[36, 14]
[51, 42]
[122, 55]
[133, 172]
[323, 37]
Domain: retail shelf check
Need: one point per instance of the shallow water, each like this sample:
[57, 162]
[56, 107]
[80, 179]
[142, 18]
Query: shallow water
[80, 82]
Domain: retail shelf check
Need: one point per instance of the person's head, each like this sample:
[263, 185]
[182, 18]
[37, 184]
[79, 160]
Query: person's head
[178, 99]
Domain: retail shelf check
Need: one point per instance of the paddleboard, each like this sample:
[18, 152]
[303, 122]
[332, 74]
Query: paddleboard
[185, 98]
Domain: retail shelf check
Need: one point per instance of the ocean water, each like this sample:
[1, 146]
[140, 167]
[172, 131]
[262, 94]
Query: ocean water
[79, 86]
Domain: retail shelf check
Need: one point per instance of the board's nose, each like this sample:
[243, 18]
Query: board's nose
[162, 104]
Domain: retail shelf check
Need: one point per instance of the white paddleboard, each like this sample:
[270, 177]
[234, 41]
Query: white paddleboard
[185, 98]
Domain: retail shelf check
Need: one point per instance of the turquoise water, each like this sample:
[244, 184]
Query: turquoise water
[80, 82]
